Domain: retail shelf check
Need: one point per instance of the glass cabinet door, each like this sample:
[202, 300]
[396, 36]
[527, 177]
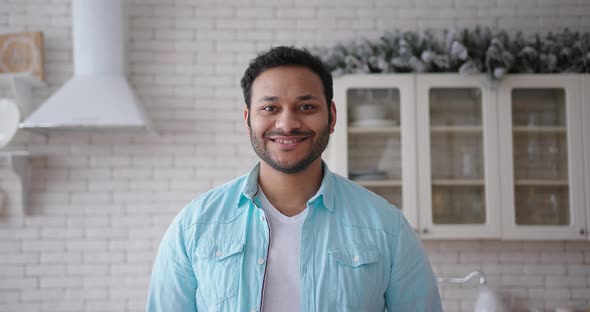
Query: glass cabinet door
[374, 127]
[456, 156]
[374, 141]
[539, 143]
[457, 120]
[539, 127]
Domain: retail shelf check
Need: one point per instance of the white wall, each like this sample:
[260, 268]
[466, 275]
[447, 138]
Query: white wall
[101, 201]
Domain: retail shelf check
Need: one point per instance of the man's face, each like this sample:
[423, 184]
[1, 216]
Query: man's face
[288, 118]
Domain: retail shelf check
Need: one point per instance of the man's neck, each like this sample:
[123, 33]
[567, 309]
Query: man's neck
[289, 192]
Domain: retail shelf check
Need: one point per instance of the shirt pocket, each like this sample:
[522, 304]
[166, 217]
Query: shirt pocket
[217, 269]
[356, 278]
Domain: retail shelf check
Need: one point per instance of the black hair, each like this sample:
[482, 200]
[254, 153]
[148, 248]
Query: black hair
[286, 56]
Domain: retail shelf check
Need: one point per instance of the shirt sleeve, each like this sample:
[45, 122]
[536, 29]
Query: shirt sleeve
[412, 285]
[173, 283]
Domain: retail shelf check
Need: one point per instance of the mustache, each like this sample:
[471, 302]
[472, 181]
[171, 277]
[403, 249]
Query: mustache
[293, 132]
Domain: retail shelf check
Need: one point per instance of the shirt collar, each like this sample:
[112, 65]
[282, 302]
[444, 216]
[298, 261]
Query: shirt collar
[324, 195]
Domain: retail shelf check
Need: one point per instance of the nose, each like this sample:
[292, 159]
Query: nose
[287, 121]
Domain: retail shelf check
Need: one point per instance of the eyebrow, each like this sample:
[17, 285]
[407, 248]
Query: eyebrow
[306, 97]
[300, 98]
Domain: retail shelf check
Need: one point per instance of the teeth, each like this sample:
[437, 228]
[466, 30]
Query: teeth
[287, 141]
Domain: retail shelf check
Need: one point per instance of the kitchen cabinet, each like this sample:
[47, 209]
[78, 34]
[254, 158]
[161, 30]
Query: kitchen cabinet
[542, 167]
[466, 159]
[457, 157]
[375, 138]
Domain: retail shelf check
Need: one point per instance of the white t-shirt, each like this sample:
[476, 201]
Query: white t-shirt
[281, 289]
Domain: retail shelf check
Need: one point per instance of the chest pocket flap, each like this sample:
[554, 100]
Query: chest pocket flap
[354, 257]
[219, 250]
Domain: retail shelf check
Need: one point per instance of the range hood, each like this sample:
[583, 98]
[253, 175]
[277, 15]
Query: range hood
[98, 95]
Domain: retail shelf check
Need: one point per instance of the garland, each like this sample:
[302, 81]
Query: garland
[467, 51]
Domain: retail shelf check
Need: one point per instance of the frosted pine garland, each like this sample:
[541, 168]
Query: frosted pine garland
[467, 51]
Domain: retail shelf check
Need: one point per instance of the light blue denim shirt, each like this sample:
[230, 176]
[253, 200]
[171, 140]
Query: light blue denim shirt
[358, 253]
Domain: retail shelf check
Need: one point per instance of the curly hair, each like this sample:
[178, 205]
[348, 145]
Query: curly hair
[286, 56]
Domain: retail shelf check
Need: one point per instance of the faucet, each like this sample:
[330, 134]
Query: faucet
[463, 280]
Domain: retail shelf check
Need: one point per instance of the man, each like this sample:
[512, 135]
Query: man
[290, 235]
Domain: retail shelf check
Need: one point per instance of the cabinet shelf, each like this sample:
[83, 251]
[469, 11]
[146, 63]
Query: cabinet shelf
[458, 182]
[379, 183]
[374, 130]
[541, 182]
[456, 129]
[539, 129]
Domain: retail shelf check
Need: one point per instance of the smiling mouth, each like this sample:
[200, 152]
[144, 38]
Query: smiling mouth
[288, 141]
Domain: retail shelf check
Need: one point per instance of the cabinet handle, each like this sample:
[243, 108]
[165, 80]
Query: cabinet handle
[582, 232]
[425, 231]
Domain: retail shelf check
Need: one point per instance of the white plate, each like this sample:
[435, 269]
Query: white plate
[374, 123]
[9, 120]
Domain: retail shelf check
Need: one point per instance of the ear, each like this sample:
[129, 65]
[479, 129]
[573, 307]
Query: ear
[333, 112]
[246, 115]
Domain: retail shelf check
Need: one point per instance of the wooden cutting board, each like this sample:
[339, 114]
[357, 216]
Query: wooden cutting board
[22, 53]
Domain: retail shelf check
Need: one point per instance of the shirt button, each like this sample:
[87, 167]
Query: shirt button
[218, 253]
[260, 261]
[262, 218]
[356, 259]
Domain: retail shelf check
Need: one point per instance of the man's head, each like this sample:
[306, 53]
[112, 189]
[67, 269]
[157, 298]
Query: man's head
[289, 112]
[286, 56]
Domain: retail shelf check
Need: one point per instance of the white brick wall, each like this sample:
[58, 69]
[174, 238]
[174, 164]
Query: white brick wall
[101, 201]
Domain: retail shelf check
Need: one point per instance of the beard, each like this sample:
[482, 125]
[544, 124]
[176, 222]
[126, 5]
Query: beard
[318, 146]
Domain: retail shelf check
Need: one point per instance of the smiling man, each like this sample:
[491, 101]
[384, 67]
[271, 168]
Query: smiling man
[290, 235]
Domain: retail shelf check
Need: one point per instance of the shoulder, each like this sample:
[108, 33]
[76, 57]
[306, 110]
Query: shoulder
[215, 205]
[358, 206]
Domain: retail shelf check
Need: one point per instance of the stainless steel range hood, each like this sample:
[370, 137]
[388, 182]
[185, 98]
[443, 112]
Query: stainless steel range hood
[98, 95]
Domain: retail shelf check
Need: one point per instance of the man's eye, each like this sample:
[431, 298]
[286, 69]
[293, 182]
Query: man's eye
[306, 107]
[269, 109]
